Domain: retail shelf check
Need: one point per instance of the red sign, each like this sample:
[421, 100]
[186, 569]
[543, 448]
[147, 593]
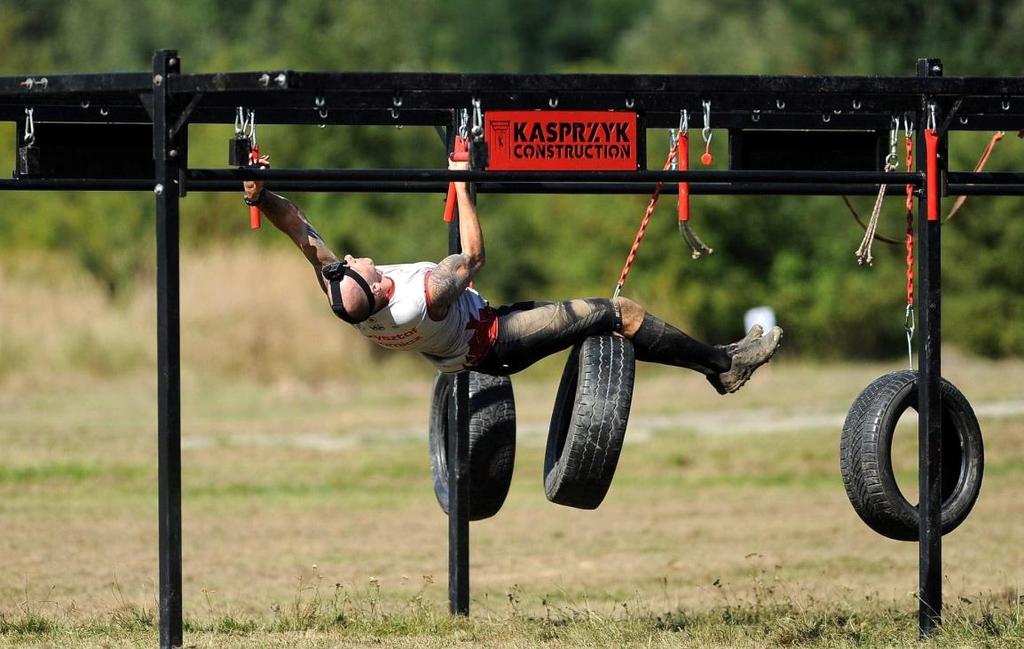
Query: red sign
[561, 140]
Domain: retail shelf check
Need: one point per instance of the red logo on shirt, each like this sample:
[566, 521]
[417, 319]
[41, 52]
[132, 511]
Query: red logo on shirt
[485, 332]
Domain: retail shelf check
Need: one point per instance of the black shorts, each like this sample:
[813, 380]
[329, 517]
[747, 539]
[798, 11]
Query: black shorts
[529, 331]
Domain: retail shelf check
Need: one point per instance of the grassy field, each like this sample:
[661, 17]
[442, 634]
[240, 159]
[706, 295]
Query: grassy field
[310, 520]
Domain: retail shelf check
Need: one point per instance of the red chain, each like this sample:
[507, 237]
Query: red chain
[910, 225]
[631, 257]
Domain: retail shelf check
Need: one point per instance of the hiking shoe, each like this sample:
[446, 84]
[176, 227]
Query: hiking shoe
[747, 355]
[755, 332]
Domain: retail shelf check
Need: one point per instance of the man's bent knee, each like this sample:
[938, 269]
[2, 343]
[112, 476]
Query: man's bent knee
[632, 315]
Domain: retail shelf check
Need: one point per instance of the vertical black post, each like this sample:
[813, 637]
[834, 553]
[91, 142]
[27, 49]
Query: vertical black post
[458, 497]
[458, 473]
[929, 368]
[167, 167]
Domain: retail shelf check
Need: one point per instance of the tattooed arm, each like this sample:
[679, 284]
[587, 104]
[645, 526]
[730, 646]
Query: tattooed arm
[288, 218]
[446, 284]
[455, 272]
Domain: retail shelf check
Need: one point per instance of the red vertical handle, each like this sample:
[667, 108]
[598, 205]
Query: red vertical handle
[931, 145]
[254, 211]
[461, 154]
[683, 151]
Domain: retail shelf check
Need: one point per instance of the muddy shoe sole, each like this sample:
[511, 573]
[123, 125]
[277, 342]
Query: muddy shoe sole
[748, 357]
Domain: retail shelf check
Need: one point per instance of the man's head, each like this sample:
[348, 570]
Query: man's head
[357, 289]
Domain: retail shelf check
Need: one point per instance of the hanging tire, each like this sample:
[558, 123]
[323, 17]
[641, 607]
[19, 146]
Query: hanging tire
[492, 441]
[588, 424]
[865, 456]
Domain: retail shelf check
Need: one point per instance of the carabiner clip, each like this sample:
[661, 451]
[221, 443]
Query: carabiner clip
[706, 131]
[706, 158]
[478, 120]
[30, 127]
[892, 160]
[908, 127]
[252, 127]
[908, 326]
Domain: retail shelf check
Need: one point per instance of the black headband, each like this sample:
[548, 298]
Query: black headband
[336, 272]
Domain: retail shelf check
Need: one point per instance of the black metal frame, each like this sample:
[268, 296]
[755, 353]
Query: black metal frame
[171, 101]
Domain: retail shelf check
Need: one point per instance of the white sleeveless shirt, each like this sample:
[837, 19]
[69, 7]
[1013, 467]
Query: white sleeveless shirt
[459, 340]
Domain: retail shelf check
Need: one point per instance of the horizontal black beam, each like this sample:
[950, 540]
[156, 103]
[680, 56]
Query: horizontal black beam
[987, 177]
[699, 85]
[985, 183]
[745, 183]
[426, 175]
[51, 85]
[75, 184]
[623, 189]
[966, 189]
[434, 187]
[406, 92]
[95, 111]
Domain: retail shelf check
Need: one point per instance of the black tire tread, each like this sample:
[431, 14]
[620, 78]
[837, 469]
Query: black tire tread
[591, 413]
[492, 441]
[868, 480]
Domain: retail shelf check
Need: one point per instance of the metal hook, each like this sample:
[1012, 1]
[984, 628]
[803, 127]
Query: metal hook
[892, 160]
[672, 134]
[464, 124]
[252, 127]
[908, 126]
[780, 104]
[478, 119]
[239, 121]
[706, 131]
[320, 106]
[908, 326]
[630, 102]
[684, 122]
[553, 102]
[857, 104]
[30, 127]
[930, 125]
[755, 115]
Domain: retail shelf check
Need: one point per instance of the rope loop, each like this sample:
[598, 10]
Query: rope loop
[631, 257]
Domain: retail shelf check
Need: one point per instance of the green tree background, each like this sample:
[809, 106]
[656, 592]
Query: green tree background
[795, 254]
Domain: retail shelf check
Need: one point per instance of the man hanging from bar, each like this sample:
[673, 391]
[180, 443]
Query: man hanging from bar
[430, 308]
